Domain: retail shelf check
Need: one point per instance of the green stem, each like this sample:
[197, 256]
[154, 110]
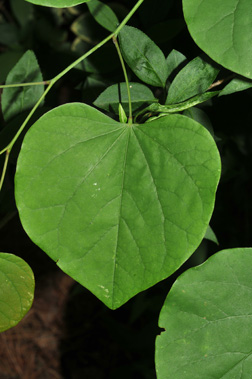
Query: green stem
[25, 84]
[126, 78]
[7, 155]
[8, 148]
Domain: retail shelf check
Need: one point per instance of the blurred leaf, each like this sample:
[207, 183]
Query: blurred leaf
[143, 56]
[22, 10]
[194, 79]
[9, 34]
[207, 320]
[16, 290]
[236, 85]
[103, 14]
[117, 93]
[16, 100]
[58, 3]
[86, 28]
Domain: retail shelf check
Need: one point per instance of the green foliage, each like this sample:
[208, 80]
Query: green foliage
[19, 99]
[207, 318]
[120, 198]
[143, 56]
[16, 290]
[222, 30]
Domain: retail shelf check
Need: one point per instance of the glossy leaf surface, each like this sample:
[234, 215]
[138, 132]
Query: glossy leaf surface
[143, 56]
[58, 3]
[19, 99]
[119, 207]
[222, 29]
[207, 321]
[16, 290]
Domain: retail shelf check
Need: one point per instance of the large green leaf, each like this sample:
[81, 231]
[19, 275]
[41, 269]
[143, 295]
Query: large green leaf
[19, 99]
[143, 56]
[223, 29]
[207, 321]
[119, 207]
[16, 290]
[58, 3]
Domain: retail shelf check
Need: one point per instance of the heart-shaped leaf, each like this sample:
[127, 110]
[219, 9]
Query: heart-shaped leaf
[223, 29]
[207, 321]
[58, 3]
[16, 290]
[119, 207]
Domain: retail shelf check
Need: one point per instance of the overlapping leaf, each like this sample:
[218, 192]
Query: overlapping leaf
[143, 56]
[119, 207]
[207, 321]
[58, 3]
[223, 29]
[16, 290]
[19, 99]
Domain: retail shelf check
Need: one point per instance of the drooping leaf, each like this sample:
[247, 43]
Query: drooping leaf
[103, 14]
[207, 321]
[117, 93]
[18, 99]
[119, 207]
[143, 56]
[58, 3]
[16, 290]
[194, 79]
[174, 60]
[236, 85]
[222, 29]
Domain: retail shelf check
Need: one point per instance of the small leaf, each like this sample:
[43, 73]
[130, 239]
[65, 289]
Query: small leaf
[207, 320]
[16, 290]
[19, 99]
[174, 62]
[143, 56]
[119, 207]
[194, 79]
[222, 30]
[236, 85]
[58, 3]
[103, 14]
[117, 93]
[122, 114]
[210, 235]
